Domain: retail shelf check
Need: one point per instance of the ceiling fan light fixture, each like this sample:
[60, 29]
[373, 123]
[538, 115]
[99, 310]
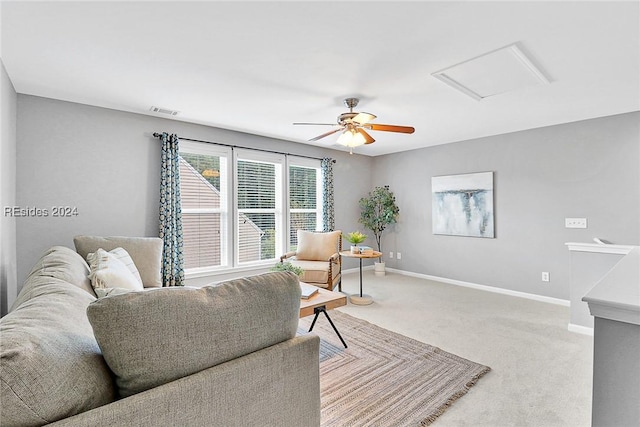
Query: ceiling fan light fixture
[352, 126]
[363, 118]
[351, 138]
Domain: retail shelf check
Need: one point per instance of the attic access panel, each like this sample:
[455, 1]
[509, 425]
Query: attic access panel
[496, 72]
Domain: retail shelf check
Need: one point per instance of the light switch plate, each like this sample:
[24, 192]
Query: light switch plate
[575, 222]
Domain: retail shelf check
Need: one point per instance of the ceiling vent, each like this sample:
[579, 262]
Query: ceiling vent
[166, 111]
[496, 72]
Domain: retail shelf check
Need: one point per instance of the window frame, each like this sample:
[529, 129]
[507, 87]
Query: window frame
[304, 162]
[229, 210]
[226, 198]
[279, 210]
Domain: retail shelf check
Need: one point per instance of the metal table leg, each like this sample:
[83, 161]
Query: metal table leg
[361, 299]
[323, 309]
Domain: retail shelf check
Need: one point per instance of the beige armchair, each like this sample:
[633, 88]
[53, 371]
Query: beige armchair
[318, 254]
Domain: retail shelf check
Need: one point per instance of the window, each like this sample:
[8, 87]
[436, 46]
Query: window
[204, 196]
[305, 198]
[253, 221]
[259, 207]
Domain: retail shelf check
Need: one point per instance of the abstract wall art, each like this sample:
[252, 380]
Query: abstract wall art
[462, 205]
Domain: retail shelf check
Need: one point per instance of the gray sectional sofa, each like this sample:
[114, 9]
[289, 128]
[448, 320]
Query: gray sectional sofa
[224, 355]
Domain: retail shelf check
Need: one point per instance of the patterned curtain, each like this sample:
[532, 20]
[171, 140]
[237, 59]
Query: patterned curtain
[171, 213]
[328, 220]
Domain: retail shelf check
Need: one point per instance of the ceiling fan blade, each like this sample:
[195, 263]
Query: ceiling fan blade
[326, 134]
[390, 128]
[363, 118]
[315, 124]
[367, 138]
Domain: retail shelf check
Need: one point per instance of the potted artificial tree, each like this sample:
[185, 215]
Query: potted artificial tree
[377, 212]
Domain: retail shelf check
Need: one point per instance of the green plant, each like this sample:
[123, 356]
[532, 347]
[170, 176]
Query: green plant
[355, 237]
[287, 266]
[378, 211]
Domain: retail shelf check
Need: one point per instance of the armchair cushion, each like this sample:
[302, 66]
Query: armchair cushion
[317, 246]
[317, 272]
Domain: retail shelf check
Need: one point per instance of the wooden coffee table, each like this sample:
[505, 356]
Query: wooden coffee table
[320, 302]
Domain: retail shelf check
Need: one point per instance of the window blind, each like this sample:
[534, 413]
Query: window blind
[303, 201]
[202, 210]
[257, 194]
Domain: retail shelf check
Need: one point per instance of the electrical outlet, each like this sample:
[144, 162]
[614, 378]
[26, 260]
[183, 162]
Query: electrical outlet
[575, 222]
[545, 276]
[390, 255]
[398, 255]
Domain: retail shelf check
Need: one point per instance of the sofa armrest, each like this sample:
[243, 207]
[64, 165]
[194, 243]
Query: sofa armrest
[335, 258]
[278, 385]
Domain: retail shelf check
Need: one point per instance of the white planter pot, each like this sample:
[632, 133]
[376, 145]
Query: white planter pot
[378, 268]
[355, 249]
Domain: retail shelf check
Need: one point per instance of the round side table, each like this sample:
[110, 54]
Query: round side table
[361, 299]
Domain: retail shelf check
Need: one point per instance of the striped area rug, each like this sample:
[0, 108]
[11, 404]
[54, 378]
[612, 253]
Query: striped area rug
[384, 378]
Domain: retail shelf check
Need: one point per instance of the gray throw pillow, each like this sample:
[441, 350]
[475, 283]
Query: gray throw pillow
[151, 338]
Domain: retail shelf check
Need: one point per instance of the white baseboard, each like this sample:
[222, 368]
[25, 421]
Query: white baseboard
[357, 269]
[584, 330]
[519, 294]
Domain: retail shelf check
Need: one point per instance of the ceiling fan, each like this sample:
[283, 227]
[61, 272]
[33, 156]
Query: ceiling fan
[353, 125]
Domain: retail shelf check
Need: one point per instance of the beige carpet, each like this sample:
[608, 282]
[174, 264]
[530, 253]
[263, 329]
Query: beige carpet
[383, 378]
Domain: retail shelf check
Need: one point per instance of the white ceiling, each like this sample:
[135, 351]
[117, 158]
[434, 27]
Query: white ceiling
[260, 66]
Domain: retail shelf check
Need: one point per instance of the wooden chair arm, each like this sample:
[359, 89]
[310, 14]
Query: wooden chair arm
[287, 255]
[335, 258]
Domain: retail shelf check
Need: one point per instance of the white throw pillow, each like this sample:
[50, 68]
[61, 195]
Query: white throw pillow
[107, 271]
[124, 257]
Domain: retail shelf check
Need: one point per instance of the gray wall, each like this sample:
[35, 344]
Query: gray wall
[584, 169]
[8, 279]
[616, 374]
[587, 269]
[107, 164]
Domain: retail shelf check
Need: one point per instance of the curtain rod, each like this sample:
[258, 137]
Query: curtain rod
[158, 135]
